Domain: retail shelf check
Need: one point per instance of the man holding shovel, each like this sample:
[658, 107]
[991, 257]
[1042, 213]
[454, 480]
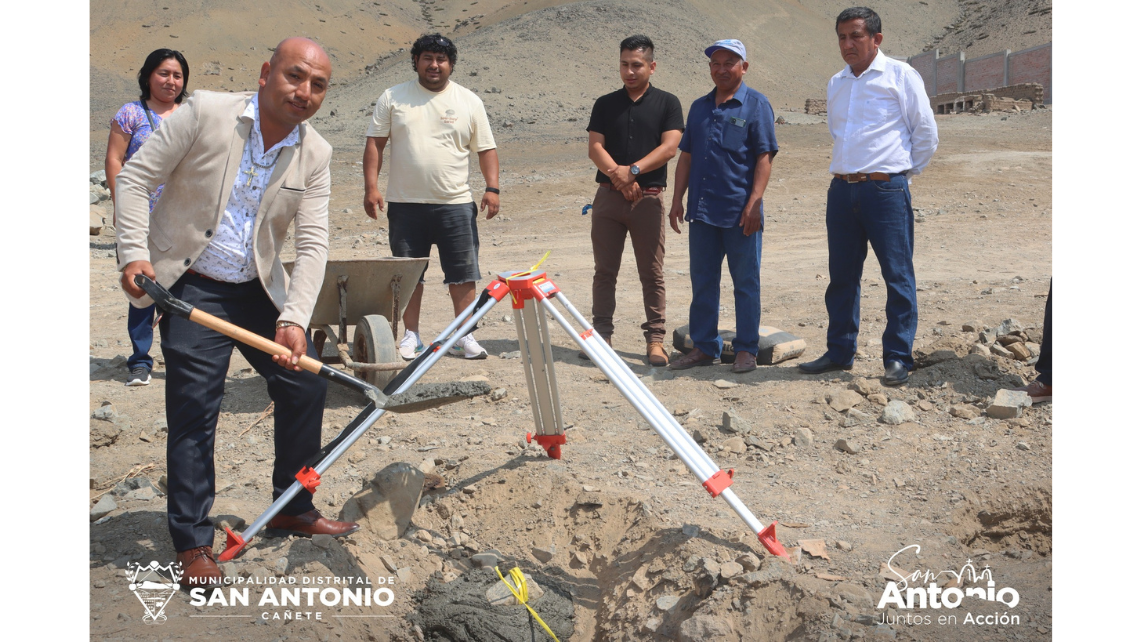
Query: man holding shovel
[239, 169]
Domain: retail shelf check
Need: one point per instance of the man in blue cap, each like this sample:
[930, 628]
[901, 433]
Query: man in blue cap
[727, 154]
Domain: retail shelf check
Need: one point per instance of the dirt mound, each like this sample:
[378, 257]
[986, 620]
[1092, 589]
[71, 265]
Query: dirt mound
[989, 27]
[1010, 523]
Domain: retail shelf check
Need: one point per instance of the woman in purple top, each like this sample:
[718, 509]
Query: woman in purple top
[162, 81]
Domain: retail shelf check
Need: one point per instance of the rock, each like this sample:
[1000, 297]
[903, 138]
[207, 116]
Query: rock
[1023, 446]
[544, 555]
[404, 575]
[282, 565]
[735, 445]
[428, 466]
[722, 384]
[854, 594]
[389, 563]
[233, 522]
[730, 569]
[749, 562]
[965, 411]
[849, 446]
[1008, 404]
[699, 438]
[864, 386]
[98, 178]
[1000, 351]
[103, 507]
[1033, 348]
[95, 221]
[980, 349]
[803, 437]
[499, 594]
[972, 326]
[897, 412]
[486, 559]
[844, 546]
[387, 502]
[651, 625]
[105, 412]
[145, 494]
[705, 627]
[986, 337]
[731, 422]
[510, 355]
[845, 399]
[878, 398]
[104, 433]
[1020, 351]
[499, 393]
[666, 602]
[854, 417]
[322, 541]
[1008, 326]
[127, 486]
[925, 405]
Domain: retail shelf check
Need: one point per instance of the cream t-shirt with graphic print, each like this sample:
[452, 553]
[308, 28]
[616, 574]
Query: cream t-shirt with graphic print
[431, 135]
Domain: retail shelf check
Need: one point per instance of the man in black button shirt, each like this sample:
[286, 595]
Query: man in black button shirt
[633, 133]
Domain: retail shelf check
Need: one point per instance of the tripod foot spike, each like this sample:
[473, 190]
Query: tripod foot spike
[768, 538]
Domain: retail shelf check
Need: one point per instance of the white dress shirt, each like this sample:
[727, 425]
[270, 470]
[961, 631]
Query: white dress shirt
[881, 121]
[230, 255]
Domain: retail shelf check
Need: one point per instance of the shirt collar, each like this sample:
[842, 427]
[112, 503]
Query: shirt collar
[739, 95]
[251, 112]
[649, 88]
[878, 64]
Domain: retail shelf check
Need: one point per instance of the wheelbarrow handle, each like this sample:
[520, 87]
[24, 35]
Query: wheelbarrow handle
[167, 301]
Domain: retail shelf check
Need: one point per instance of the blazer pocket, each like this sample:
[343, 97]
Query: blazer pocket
[159, 238]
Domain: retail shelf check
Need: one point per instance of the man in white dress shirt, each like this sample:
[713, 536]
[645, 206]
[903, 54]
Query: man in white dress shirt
[883, 133]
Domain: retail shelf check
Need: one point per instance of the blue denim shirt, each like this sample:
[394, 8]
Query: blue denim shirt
[724, 142]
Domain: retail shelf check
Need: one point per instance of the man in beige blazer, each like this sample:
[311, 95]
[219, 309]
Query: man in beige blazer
[238, 169]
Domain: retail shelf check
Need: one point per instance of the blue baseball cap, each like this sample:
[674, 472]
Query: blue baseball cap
[728, 44]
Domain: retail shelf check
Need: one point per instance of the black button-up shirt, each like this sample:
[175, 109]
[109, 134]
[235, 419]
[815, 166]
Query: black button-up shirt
[632, 129]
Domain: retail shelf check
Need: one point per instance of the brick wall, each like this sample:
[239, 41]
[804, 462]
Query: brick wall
[1032, 65]
[818, 106]
[1023, 95]
[925, 63]
[948, 73]
[988, 71]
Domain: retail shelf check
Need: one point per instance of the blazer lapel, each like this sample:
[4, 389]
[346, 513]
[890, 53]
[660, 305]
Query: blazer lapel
[281, 168]
[242, 130]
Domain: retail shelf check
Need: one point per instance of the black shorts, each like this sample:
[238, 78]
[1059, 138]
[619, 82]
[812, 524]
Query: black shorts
[415, 227]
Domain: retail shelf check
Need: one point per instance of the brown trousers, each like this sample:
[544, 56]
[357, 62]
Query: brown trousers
[612, 218]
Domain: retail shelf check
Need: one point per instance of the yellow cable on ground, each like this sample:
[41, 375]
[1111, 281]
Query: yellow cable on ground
[521, 593]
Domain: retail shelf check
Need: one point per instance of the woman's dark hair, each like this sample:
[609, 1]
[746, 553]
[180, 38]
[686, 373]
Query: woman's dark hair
[435, 43]
[156, 58]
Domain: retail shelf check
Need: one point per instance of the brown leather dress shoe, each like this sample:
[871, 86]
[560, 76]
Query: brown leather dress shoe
[198, 568]
[583, 355]
[744, 362]
[308, 524]
[656, 355]
[693, 358]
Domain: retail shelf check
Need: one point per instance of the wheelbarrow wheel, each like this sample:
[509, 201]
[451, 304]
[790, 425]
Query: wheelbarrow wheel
[373, 343]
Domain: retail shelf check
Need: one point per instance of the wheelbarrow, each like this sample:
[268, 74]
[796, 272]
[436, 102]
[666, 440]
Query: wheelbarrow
[375, 293]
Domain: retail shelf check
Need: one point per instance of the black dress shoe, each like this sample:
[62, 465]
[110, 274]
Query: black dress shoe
[824, 364]
[894, 374]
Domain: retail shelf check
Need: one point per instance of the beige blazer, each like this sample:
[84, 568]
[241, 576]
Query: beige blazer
[196, 154]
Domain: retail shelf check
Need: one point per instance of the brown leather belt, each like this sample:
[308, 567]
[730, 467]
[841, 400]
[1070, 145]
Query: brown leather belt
[860, 178]
[646, 191]
[203, 276]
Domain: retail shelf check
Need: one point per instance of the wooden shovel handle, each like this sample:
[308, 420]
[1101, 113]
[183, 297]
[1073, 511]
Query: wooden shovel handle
[253, 340]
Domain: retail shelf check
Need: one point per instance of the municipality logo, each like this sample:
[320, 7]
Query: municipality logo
[154, 585]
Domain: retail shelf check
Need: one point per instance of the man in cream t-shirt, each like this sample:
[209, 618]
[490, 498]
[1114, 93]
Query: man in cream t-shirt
[434, 125]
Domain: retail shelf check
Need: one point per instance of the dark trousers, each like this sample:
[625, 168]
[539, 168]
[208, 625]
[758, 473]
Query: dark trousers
[197, 359]
[612, 217]
[709, 244]
[857, 215]
[142, 333]
[1043, 366]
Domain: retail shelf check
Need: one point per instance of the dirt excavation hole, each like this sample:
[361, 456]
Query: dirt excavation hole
[609, 566]
[1016, 524]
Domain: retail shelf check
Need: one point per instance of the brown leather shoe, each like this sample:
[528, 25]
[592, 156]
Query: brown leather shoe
[693, 358]
[744, 362]
[198, 568]
[1037, 390]
[583, 355]
[308, 524]
[656, 355]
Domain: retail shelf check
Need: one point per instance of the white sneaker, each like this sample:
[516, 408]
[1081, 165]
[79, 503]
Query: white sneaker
[410, 345]
[141, 376]
[468, 348]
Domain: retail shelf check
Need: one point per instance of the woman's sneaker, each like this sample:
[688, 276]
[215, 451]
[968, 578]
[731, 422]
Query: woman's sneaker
[410, 345]
[468, 348]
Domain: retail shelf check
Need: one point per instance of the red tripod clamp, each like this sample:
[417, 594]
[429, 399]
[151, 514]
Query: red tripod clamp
[309, 478]
[550, 443]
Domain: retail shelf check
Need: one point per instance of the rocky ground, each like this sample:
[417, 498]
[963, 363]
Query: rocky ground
[621, 538]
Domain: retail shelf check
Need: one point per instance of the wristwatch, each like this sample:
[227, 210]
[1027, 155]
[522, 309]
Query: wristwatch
[634, 170]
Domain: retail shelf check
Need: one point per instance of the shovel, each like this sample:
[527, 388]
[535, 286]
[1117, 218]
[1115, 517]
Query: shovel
[405, 397]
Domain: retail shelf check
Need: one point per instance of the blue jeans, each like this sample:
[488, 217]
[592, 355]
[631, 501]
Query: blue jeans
[708, 245]
[857, 215]
[142, 333]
